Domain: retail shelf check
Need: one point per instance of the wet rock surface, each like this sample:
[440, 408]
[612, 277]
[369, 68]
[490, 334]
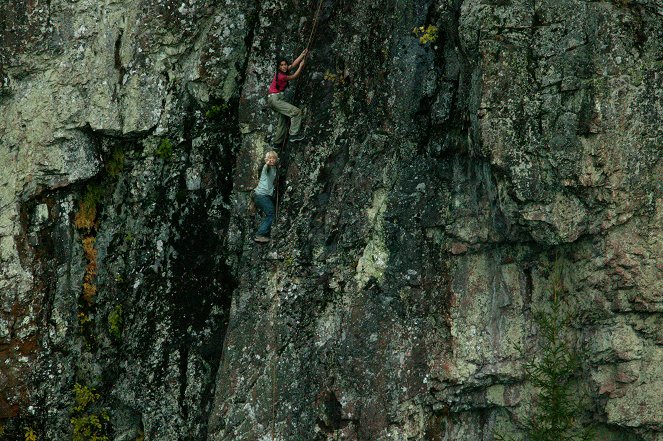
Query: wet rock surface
[418, 223]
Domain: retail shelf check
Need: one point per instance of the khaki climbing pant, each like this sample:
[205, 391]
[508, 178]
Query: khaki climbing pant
[285, 110]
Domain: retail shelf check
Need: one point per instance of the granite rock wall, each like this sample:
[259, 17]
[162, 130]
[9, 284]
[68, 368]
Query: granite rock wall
[420, 223]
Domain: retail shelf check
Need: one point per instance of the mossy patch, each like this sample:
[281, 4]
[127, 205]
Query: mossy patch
[115, 322]
[165, 149]
[426, 34]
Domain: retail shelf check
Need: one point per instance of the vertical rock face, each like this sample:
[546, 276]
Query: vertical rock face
[117, 142]
[417, 226]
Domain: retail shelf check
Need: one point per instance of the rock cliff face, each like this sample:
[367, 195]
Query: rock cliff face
[418, 223]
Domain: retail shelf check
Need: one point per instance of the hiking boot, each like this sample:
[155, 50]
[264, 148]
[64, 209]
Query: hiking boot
[298, 137]
[261, 239]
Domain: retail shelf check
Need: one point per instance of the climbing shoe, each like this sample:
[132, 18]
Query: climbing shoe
[297, 137]
[261, 239]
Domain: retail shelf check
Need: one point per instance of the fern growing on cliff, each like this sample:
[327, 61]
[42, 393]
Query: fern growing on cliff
[553, 373]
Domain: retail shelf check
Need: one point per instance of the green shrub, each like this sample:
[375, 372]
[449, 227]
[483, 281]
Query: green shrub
[337, 78]
[30, 434]
[289, 261]
[88, 427]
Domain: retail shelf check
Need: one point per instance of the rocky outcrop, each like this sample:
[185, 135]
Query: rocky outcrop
[418, 223]
[134, 108]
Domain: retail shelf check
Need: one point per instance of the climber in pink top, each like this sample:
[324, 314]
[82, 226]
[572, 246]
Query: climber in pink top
[277, 102]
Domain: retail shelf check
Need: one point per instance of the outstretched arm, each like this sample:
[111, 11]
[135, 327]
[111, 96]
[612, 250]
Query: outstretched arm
[298, 72]
[299, 59]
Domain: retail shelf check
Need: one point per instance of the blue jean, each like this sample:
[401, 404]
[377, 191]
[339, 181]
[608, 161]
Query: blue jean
[266, 204]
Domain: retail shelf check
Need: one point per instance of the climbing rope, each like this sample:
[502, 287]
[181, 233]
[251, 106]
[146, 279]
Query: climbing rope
[314, 28]
[312, 34]
[275, 342]
[275, 335]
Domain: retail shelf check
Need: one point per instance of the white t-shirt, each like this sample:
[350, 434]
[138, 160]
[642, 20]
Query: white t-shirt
[266, 185]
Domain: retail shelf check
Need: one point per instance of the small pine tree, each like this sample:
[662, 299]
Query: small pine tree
[555, 414]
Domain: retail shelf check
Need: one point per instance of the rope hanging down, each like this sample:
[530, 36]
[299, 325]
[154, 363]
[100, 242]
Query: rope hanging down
[314, 30]
[275, 338]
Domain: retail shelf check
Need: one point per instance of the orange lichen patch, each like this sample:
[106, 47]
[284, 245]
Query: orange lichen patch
[86, 217]
[88, 248]
[89, 291]
[89, 288]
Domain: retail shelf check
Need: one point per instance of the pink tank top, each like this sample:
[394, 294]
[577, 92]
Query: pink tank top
[279, 83]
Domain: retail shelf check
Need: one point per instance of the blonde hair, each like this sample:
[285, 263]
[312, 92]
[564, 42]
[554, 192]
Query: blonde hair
[273, 154]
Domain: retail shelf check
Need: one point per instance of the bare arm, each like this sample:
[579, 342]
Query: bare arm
[299, 59]
[298, 72]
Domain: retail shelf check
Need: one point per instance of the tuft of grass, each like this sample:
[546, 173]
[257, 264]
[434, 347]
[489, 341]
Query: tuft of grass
[115, 164]
[86, 217]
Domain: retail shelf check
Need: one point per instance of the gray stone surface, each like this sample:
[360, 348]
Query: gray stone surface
[418, 223]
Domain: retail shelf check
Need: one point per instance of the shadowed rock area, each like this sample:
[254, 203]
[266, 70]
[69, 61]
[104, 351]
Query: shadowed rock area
[443, 185]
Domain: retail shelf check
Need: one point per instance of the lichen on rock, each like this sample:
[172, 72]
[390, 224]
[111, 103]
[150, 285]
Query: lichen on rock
[417, 222]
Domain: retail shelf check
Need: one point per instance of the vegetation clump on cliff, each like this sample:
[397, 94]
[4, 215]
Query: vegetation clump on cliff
[553, 371]
[88, 425]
